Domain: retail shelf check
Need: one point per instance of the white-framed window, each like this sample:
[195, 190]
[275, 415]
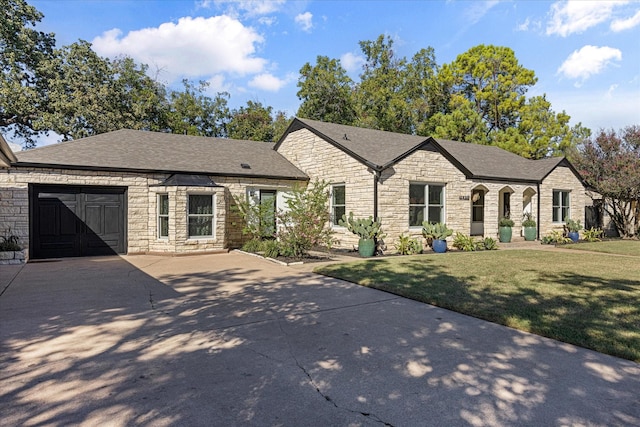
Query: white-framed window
[338, 203]
[200, 214]
[561, 202]
[426, 203]
[163, 216]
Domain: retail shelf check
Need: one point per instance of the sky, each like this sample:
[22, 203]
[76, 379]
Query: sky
[585, 54]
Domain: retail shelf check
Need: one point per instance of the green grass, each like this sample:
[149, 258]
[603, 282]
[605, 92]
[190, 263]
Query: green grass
[619, 247]
[591, 300]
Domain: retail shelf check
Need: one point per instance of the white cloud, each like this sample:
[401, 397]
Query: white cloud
[305, 21]
[250, 7]
[192, 47]
[626, 24]
[478, 9]
[609, 94]
[588, 61]
[352, 62]
[269, 82]
[267, 20]
[569, 17]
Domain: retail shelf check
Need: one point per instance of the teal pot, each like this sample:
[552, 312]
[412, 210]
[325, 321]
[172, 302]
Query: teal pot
[439, 246]
[366, 247]
[574, 236]
[529, 234]
[505, 234]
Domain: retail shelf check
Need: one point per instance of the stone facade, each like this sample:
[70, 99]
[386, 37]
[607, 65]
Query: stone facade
[562, 178]
[142, 206]
[323, 161]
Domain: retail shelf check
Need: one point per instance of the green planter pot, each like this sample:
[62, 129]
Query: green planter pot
[505, 234]
[366, 247]
[529, 234]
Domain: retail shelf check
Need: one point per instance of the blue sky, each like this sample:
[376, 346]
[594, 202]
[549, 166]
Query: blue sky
[586, 55]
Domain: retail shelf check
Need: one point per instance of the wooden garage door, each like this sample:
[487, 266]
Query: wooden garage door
[77, 221]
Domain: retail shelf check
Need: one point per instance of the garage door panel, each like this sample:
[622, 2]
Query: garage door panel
[78, 221]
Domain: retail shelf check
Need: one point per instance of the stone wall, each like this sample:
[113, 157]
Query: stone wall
[320, 160]
[562, 178]
[142, 195]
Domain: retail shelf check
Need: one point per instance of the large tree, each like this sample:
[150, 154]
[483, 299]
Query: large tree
[381, 101]
[326, 92]
[193, 112]
[25, 54]
[610, 164]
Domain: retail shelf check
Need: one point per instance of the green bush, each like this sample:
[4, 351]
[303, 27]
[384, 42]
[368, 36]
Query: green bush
[270, 248]
[505, 221]
[555, 238]
[10, 243]
[364, 228]
[437, 231]
[254, 246]
[407, 245]
[490, 244]
[572, 226]
[592, 234]
[464, 242]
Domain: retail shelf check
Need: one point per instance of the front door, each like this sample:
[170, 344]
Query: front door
[477, 213]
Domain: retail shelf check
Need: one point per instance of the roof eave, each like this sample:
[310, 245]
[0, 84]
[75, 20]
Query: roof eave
[152, 171]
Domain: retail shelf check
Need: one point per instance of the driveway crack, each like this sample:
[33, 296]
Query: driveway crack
[326, 397]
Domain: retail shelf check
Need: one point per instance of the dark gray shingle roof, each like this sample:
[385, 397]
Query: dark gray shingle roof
[380, 149]
[163, 152]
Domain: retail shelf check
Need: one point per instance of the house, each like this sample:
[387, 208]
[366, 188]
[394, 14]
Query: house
[147, 192]
[406, 179]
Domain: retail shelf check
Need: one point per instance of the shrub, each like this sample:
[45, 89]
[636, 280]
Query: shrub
[555, 238]
[305, 223]
[592, 234]
[528, 220]
[464, 243]
[505, 221]
[437, 231]
[253, 246]
[253, 211]
[10, 243]
[490, 244]
[572, 226]
[408, 245]
[270, 248]
[364, 228]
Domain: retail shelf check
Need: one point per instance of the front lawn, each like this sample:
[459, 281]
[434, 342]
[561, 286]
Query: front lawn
[587, 299]
[619, 246]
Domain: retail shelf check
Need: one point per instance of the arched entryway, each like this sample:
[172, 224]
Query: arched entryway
[478, 210]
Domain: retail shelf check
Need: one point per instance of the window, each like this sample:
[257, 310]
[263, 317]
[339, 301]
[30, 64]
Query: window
[200, 215]
[426, 201]
[163, 216]
[560, 205]
[506, 205]
[338, 200]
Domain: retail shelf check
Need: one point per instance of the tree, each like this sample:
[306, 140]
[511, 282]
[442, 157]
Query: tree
[192, 112]
[381, 99]
[252, 122]
[540, 132]
[610, 164]
[24, 57]
[326, 92]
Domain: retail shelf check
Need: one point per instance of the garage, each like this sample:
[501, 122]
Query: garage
[75, 221]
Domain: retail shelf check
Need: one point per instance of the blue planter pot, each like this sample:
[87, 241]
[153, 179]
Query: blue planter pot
[439, 246]
[574, 236]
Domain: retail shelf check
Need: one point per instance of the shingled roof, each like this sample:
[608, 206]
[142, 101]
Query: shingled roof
[380, 150]
[142, 151]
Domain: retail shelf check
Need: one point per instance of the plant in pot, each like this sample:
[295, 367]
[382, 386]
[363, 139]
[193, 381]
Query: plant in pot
[573, 229]
[529, 225]
[436, 235]
[367, 229]
[504, 228]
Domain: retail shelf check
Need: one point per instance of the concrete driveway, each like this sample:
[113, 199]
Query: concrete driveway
[235, 340]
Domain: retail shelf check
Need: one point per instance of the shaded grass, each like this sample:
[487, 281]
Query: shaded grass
[584, 299]
[619, 247]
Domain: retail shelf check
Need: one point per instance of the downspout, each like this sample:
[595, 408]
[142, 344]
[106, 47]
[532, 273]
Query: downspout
[538, 211]
[376, 179]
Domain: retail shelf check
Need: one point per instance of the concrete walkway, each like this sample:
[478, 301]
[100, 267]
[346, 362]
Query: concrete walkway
[235, 340]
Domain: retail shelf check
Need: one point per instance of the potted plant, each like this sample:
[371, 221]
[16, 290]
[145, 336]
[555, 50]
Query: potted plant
[368, 230]
[504, 228]
[529, 225]
[573, 229]
[436, 235]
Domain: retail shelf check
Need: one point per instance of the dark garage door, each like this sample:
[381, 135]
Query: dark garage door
[71, 221]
